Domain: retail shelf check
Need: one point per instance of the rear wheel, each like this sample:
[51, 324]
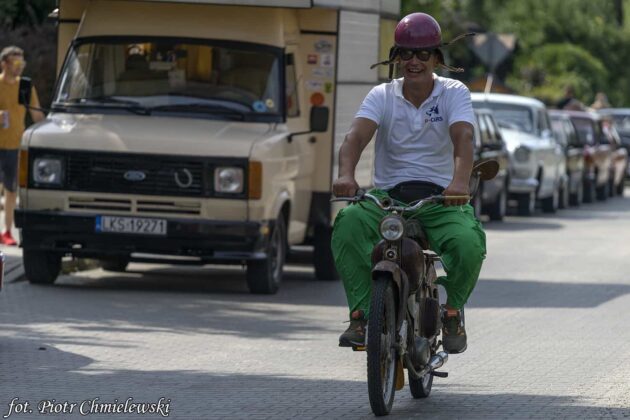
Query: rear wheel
[421, 388]
[381, 353]
[41, 267]
[118, 264]
[322, 254]
[264, 277]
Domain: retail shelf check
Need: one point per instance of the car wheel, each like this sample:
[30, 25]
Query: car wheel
[575, 199]
[498, 209]
[563, 203]
[264, 276]
[620, 187]
[526, 203]
[41, 267]
[589, 191]
[550, 204]
[602, 191]
[322, 254]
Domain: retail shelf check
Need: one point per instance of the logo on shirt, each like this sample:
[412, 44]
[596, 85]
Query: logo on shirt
[434, 115]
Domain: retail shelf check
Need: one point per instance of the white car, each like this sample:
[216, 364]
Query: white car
[537, 161]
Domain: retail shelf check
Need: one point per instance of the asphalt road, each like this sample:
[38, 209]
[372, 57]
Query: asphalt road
[548, 326]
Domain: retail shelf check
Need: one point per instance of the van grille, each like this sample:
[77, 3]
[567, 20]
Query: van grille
[116, 205]
[120, 173]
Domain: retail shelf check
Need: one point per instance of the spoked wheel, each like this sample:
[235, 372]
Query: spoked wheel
[421, 388]
[381, 354]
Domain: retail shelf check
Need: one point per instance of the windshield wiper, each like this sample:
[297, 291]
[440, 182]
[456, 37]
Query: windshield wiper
[109, 102]
[201, 107]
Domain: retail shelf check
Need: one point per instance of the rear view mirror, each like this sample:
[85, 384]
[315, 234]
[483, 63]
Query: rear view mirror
[319, 119]
[24, 91]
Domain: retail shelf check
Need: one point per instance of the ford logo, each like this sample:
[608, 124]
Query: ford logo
[135, 176]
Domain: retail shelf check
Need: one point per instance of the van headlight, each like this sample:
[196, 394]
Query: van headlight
[392, 228]
[228, 180]
[521, 154]
[48, 171]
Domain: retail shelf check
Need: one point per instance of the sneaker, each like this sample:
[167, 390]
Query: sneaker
[453, 331]
[7, 239]
[354, 336]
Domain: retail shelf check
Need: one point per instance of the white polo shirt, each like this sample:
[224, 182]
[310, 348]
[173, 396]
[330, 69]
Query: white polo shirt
[415, 144]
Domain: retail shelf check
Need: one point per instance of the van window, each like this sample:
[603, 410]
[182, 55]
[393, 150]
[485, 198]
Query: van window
[293, 101]
[219, 80]
[585, 130]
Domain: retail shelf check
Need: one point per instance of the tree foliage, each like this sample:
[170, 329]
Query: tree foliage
[559, 42]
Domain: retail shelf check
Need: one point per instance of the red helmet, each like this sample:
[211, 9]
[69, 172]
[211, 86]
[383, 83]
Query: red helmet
[418, 30]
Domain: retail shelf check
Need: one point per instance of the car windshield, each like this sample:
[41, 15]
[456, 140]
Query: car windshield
[168, 76]
[510, 116]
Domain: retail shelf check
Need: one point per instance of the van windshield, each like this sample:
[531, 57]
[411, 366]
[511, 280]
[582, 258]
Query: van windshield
[162, 75]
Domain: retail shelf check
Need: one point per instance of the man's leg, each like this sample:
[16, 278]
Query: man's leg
[458, 238]
[354, 234]
[10, 198]
[9, 166]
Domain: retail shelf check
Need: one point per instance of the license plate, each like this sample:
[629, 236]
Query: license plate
[133, 225]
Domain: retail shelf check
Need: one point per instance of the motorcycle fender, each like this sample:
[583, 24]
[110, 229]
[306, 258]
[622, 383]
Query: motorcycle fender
[390, 268]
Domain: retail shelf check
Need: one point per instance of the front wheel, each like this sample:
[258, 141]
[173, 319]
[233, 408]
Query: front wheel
[381, 352]
[41, 267]
[264, 277]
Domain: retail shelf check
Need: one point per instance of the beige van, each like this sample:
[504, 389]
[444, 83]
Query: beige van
[197, 132]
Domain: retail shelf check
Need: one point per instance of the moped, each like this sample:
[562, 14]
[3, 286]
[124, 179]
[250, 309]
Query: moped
[404, 323]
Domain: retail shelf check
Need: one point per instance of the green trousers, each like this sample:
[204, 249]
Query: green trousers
[453, 233]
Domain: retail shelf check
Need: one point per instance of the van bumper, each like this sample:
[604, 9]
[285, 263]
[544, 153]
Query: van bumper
[200, 240]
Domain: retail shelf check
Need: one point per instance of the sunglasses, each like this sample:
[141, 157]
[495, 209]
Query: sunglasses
[422, 55]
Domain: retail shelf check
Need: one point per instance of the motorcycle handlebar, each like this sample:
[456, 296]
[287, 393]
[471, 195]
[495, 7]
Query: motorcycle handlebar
[387, 204]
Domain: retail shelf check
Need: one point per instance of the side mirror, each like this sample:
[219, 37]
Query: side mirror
[319, 119]
[24, 91]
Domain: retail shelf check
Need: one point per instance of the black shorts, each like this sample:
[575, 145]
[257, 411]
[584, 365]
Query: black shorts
[411, 191]
[9, 168]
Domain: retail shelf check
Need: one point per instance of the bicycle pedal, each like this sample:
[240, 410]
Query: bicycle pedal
[361, 348]
[439, 374]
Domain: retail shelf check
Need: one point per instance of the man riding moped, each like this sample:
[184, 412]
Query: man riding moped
[424, 147]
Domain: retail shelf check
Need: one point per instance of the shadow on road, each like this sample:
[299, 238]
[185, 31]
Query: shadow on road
[537, 294]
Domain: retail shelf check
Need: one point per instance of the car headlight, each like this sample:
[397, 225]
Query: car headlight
[228, 180]
[392, 228]
[522, 154]
[48, 170]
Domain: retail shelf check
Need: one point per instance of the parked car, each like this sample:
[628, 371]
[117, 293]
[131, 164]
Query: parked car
[492, 196]
[597, 154]
[537, 162]
[619, 156]
[621, 119]
[566, 135]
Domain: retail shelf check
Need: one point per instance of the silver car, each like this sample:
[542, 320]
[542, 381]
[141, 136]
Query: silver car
[537, 161]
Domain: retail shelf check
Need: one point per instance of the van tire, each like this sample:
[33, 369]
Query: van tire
[41, 267]
[118, 264]
[323, 260]
[264, 276]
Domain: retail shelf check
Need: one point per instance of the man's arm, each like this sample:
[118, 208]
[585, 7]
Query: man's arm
[361, 132]
[462, 138]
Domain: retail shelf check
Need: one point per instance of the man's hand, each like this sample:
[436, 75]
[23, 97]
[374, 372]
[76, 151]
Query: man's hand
[345, 187]
[458, 189]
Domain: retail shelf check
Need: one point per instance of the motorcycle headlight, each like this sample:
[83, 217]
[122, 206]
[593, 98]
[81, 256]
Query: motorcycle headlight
[228, 180]
[521, 154]
[48, 170]
[392, 228]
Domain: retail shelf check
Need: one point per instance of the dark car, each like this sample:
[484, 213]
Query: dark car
[567, 137]
[621, 120]
[598, 154]
[491, 199]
